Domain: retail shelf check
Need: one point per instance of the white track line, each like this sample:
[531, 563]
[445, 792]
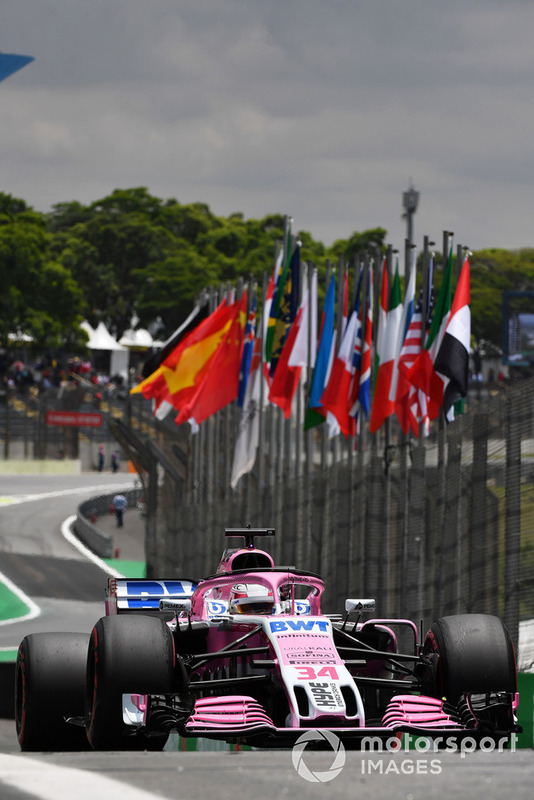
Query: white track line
[66, 530]
[30, 498]
[33, 608]
[48, 781]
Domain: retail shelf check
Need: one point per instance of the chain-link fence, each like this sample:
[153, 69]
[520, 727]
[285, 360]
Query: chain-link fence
[429, 526]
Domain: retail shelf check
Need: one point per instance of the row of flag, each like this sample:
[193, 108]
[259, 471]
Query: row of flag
[356, 368]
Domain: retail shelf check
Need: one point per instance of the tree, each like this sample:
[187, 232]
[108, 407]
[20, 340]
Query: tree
[40, 297]
[107, 247]
[492, 273]
[169, 287]
[131, 252]
[358, 243]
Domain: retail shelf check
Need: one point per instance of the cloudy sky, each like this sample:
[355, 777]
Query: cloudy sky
[321, 109]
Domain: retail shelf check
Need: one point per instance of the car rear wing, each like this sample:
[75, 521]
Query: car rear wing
[127, 595]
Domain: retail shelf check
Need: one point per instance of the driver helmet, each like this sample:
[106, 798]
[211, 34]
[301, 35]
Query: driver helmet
[251, 599]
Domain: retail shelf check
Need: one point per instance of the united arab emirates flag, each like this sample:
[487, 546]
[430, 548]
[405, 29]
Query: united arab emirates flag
[452, 360]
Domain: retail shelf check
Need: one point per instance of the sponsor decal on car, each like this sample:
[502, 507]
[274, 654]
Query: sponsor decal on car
[280, 625]
[147, 594]
[326, 694]
[216, 607]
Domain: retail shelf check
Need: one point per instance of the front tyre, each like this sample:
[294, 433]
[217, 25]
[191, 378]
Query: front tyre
[50, 686]
[476, 654]
[127, 655]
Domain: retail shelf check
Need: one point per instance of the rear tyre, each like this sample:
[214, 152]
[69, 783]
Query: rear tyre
[476, 654]
[50, 686]
[127, 654]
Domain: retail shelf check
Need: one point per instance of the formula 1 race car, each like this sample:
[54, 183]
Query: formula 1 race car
[247, 656]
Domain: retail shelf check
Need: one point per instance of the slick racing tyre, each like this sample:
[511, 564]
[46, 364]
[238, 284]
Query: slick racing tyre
[476, 654]
[127, 654]
[50, 686]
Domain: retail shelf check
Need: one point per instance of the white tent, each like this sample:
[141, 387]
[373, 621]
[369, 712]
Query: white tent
[101, 339]
[139, 339]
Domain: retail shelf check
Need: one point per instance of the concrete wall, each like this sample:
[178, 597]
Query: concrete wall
[86, 523]
[46, 466]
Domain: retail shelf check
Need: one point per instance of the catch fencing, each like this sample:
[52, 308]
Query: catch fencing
[437, 525]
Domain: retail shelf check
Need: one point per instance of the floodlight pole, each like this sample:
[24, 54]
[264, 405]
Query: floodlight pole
[410, 199]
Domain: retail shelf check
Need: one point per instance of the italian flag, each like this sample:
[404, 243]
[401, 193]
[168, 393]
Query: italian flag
[422, 373]
[383, 407]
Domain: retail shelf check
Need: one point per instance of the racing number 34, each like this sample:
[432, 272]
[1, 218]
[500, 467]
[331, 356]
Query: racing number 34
[310, 673]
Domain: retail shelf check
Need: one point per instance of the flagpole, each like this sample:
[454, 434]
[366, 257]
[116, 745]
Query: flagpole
[425, 537]
[356, 441]
[426, 287]
[458, 521]
[440, 471]
[403, 439]
[339, 300]
[324, 444]
[387, 474]
[377, 260]
[310, 445]
[298, 433]
[269, 417]
[234, 407]
[261, 416]
[369, 547]
[281, 479]
[284, 433]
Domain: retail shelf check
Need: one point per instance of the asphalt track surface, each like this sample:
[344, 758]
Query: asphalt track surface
[69, 589]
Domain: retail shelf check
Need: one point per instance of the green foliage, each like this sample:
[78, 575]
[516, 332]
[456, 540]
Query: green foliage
[40, 296]
[492, 273]
[358, 243]
[133, 253]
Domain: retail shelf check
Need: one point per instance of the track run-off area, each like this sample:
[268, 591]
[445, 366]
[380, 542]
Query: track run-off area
[48, 581]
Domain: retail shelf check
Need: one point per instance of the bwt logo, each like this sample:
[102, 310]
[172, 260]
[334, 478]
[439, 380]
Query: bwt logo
[299, 625]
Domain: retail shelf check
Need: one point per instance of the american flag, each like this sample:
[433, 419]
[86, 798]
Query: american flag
[410, 404]
[417, 401]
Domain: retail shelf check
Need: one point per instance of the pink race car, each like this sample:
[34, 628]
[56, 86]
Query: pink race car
[247, 656]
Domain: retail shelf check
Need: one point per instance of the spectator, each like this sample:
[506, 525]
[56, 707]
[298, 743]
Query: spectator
[100, 458]
[114, 461]
[119, 503]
